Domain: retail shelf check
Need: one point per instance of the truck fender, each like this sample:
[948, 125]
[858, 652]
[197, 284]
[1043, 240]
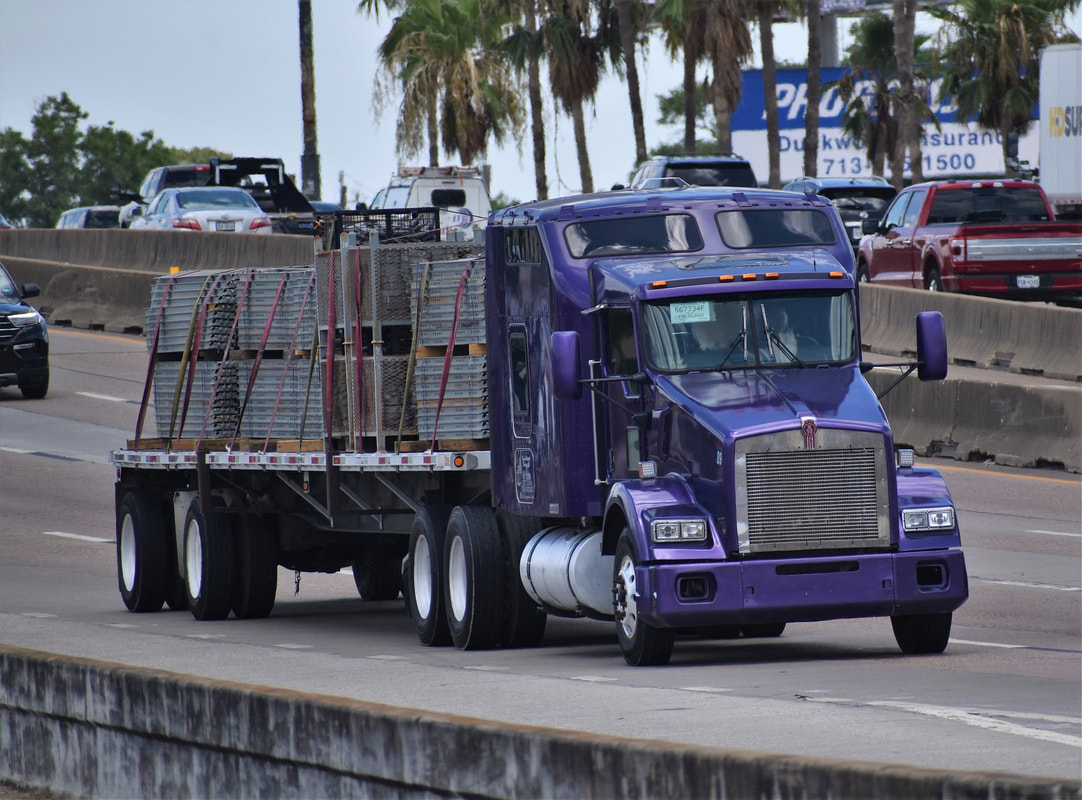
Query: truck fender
[629, 500]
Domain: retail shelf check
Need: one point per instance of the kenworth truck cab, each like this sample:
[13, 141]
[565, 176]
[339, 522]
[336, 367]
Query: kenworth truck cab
[694, 428]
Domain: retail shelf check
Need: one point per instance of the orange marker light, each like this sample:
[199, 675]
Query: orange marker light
[659, 284]
[459, 461]
[837, 274]
[725, 278]
[749, 276]
[771, 276]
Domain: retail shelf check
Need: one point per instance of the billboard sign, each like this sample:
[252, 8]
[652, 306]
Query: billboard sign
[959, 148]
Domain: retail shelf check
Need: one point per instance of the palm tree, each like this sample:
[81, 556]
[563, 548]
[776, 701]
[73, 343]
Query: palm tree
[868, 116]
[815, 90]
[908, 131]
[766, 10]
[728, 45]
[575, 59]
[631, 19]
[683, 27]
[524, 48]
[442, 56]
[989, 53]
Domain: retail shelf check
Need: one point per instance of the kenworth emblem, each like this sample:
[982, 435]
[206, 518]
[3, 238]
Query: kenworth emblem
[809, 428]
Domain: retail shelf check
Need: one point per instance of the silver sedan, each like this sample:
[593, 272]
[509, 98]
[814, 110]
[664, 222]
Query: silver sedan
[204, 208]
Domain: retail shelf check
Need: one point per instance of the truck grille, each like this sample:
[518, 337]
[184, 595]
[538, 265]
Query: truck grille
[792, 499]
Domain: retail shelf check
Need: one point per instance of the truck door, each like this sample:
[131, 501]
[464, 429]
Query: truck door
[891, 250]
[624, 397]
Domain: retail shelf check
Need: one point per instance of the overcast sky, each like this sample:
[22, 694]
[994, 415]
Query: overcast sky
[226, 74]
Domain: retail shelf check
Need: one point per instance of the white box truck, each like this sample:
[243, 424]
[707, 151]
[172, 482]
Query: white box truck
[1061, 127]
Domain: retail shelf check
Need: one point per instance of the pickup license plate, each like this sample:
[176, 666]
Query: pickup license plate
[230, 226]
[1029, 281]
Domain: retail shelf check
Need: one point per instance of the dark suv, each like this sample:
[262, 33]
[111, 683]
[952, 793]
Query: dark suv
[24, 339]
[725, 169]
[856, 199]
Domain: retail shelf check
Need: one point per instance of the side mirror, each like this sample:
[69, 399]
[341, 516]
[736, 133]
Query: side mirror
[137, 211]
[29, 290]
[566, 374]
[931, 346]
[869, 226]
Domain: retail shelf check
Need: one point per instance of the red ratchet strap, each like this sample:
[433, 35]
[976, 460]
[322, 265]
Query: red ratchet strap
[451, 345]
[358, 341]
[258, 357]
[285, 364]
[194, 351]
[328, 391]
[153, 357]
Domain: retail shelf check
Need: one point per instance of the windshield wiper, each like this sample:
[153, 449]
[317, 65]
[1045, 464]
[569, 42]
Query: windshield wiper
[742, 336]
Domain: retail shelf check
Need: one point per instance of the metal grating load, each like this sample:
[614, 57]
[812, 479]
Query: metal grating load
[211, 412]
[438, 298]
[283, 404]
[464, 412]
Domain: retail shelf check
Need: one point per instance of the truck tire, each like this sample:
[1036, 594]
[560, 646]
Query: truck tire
[863, 276]
[932, 281]
[208, 562]
[763, 630]
[524, 623]
[35, 388]
[474, 578]
[643, 645]
[141, 564]
[378, 576]
[255, 583]
[425, 580]
[922, 633]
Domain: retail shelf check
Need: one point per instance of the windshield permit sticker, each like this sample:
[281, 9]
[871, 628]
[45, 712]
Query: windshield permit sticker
[695, 311]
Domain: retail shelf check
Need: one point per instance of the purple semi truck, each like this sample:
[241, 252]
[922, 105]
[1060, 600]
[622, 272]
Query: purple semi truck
[644, 406]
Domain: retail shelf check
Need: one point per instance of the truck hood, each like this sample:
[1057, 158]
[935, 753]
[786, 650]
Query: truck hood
[743, 402]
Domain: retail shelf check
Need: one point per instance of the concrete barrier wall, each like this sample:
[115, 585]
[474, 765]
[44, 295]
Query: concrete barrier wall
[94, 729]
[1026, 338]
[1010, 424]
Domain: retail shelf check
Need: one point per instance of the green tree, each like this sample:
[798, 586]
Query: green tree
[727, 46]
[524, 48]
[683, 27]
[989, 54]
[53, 163]
[116, 158]
[631, 21]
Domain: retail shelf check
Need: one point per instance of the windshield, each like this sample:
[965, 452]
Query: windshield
[872, 200]
[748, 331]
[215, 198]
[774, 227]
[669, 233]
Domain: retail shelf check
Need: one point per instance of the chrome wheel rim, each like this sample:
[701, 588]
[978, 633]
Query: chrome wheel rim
[127, 552]
[627, 609]
[422, 577]
[457, 579]
[193, 558]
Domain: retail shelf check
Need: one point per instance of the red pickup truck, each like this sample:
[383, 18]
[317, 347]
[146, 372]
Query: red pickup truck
[995, 238]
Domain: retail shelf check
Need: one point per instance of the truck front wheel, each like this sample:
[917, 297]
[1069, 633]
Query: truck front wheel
[208, 562]
[922, 633]
[474, 574]
[643, 645]
[424, 584]
[141, 563]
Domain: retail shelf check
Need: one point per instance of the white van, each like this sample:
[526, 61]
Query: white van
[460, 193]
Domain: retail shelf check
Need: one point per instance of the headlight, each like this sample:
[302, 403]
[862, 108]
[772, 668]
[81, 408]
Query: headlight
[918, 520]
[678, 530]
[22, 319]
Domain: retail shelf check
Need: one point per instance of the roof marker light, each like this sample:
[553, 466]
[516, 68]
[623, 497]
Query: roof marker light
[725, 278]
[749, 276]
[836, 274]
[659, 284]
[771, 276]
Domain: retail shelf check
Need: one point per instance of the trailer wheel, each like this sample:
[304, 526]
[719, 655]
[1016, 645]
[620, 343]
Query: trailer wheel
[922, 633]
[425, 584]
[255, 583]
[378, 576]
[524, 624]
[764, 630]
[643, 645]
[141, 563]
[208, 562]
[474, 570]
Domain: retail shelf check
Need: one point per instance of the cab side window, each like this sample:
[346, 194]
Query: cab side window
[520, 374]
[916, 203]
[896, 211]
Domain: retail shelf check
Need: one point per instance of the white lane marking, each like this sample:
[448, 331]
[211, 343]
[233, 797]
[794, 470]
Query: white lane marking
[591, 678]
[1028, 585]
[121, 625]
[706, 689]
[39, 615]
[1058, 533]
[78, 536]
[977, 719]
[291, 646]
[389, 658]
[206, 636]
[19, 450]
[988, 644]
[483, 668]
[94, 396]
